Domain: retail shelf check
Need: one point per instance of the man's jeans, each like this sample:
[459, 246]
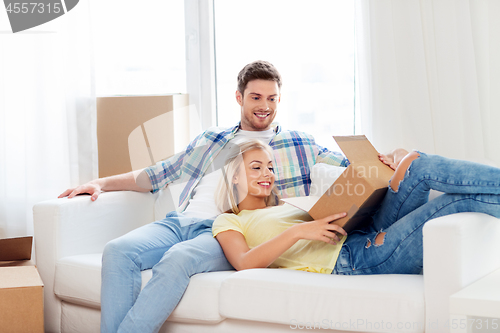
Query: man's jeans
[468, 187]
[174, 252]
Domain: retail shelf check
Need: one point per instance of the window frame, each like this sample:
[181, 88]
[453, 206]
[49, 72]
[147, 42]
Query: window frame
[201, 63]
[200, 59]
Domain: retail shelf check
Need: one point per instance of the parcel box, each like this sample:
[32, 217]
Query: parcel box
[21, 300]
[18, 248]
[134, 132]
[359, 189]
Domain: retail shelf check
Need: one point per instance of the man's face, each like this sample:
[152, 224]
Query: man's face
[259, 104]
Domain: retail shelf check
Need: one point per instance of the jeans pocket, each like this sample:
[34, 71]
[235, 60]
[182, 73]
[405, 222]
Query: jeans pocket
[359, 232]
[344, 263]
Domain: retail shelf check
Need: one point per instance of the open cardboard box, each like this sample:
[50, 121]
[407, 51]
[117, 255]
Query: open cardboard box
[21, 288]
[13, 249]
[358, 191]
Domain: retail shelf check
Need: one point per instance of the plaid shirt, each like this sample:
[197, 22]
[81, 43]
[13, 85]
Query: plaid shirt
[294, 155]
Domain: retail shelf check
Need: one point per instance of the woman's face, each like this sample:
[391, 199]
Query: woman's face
[255, 176]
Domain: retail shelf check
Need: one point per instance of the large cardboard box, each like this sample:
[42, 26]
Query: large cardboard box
[21, 300]
[358, 191]
[134, 132]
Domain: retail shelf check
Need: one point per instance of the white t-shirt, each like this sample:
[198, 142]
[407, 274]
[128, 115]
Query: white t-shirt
[202, 204]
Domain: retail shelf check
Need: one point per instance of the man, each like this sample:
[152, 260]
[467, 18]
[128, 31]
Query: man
[182, 245]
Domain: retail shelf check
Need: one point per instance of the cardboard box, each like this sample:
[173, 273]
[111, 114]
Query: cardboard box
[134, 132]
[21, 289]
[21, 300]
[358, 191]
[15, 248]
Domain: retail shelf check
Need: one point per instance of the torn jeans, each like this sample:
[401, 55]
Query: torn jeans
[467, 187]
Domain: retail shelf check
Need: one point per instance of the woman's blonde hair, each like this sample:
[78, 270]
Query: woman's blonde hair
[226, 195]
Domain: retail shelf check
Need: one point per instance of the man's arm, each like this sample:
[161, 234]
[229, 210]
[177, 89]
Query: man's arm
[141, 180]
[331, 157]
[131, 181]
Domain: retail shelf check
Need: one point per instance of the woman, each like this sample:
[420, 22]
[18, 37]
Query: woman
[254, 233]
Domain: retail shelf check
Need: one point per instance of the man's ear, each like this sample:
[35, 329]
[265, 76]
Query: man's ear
[239, 98]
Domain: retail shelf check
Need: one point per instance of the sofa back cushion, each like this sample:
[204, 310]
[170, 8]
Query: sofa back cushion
[323, 176]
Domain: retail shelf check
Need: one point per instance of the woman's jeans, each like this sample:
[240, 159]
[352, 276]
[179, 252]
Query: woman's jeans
[175, 250]
[467, 187]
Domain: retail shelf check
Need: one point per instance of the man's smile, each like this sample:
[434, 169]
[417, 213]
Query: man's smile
[262, 115]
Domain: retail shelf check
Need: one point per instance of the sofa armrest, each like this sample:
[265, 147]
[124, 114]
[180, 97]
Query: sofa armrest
[80, 226]
[66, 227]
[458, 250]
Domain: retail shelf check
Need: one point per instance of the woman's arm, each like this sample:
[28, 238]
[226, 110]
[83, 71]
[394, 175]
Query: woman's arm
[238, 253]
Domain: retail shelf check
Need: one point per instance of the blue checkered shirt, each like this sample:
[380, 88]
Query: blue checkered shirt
[294, 155]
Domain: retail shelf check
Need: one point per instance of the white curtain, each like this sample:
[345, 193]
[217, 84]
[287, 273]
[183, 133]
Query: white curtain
[428, 76]
[47, 116]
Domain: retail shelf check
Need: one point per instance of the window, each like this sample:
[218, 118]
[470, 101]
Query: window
[312, 45]
[139, 47]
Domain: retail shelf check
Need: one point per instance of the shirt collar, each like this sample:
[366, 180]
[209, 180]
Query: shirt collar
[276, 128]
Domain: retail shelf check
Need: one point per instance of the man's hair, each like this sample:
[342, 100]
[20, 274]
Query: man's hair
[226, 195]
[258, 70]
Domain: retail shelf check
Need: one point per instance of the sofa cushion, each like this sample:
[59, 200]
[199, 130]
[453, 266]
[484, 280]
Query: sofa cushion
[78, 281]
[322, 177]
[353, 303]
[200, 302]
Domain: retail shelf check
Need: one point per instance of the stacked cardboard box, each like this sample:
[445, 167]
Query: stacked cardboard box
[21, 288]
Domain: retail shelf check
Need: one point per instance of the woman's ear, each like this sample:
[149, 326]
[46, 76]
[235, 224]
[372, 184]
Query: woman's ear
[235, 180]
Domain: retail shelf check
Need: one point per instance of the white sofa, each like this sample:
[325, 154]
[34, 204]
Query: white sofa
[70, 235]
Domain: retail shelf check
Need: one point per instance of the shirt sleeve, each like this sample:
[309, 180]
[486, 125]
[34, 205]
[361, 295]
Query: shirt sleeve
[331, 157]
[167, 171]
[225, 222]
[164, 172]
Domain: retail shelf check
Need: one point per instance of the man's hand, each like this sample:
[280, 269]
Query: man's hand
[393, 158]
[91, 188]
[131, 181]
[388, 160]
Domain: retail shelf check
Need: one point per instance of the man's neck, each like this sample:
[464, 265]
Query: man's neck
[272, 127]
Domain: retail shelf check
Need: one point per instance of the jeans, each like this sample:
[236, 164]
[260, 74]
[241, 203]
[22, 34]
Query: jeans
[467, 187]
[174, 252]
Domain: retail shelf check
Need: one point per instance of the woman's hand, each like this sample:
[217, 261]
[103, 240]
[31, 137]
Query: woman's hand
[238, 253]
[393, 158]
[321, 230]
